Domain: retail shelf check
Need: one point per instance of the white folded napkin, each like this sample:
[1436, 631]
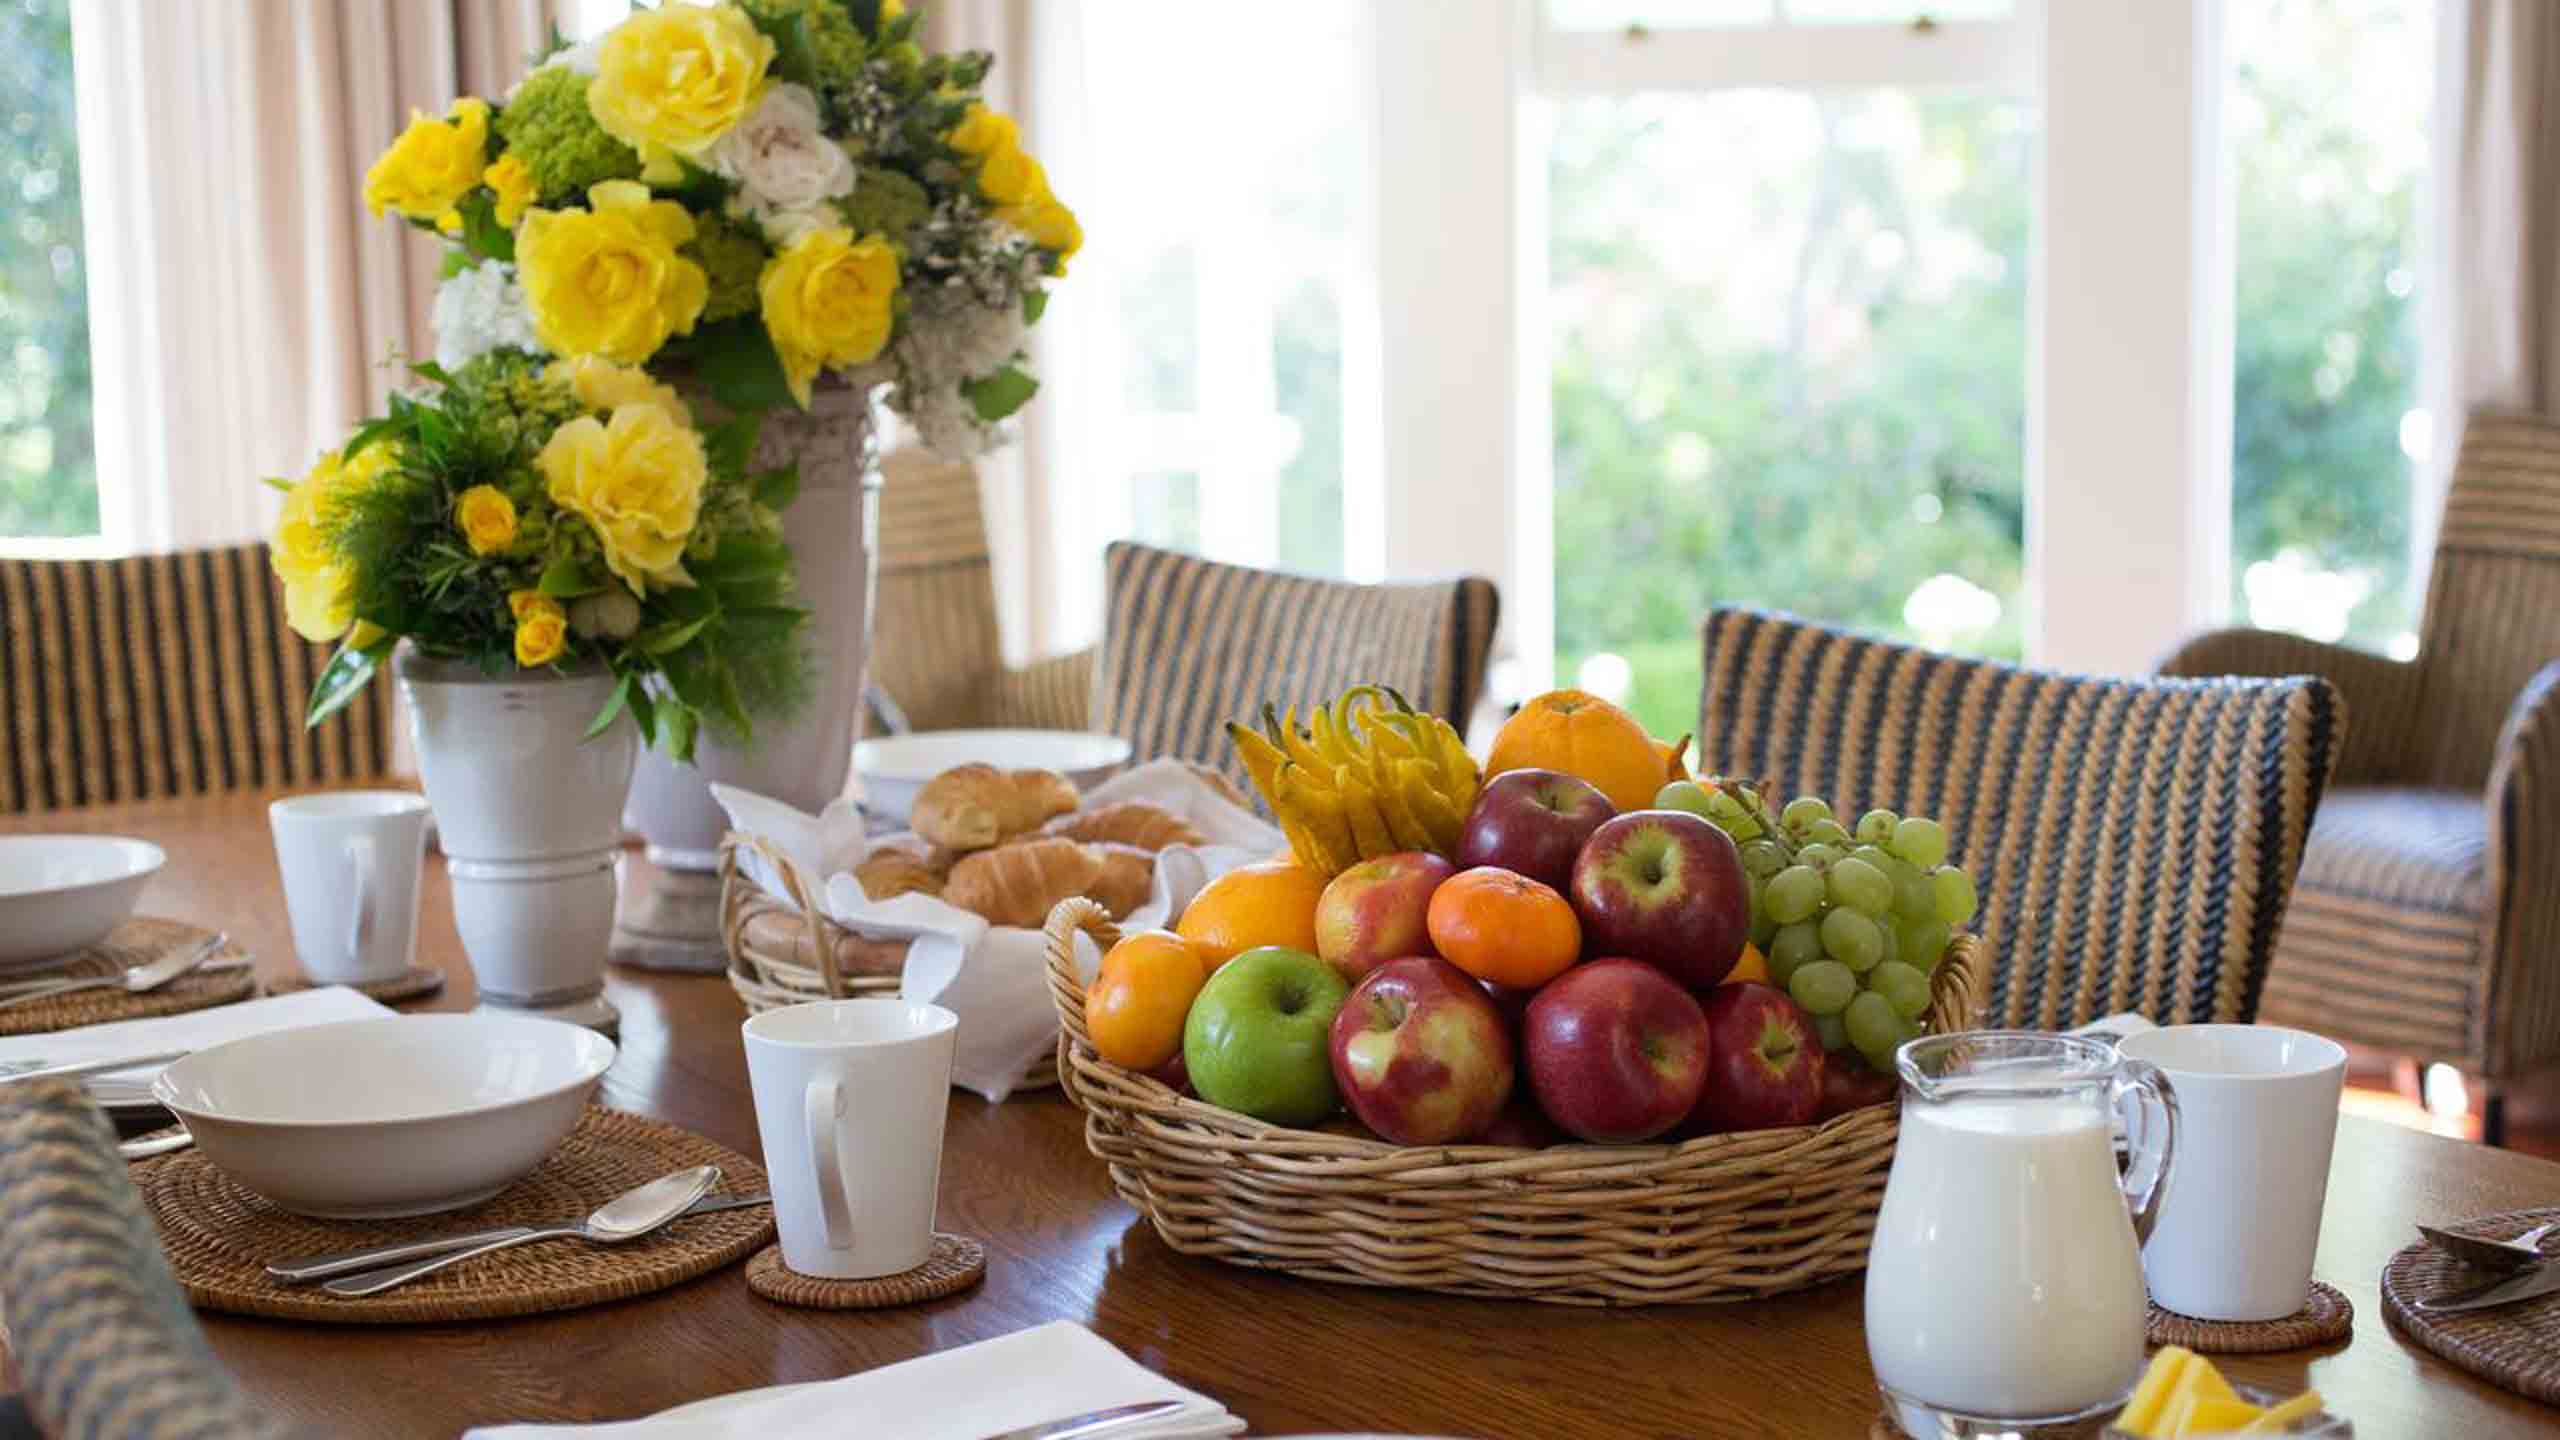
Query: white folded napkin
[194, 1030]
[1030, 1377]
[995, 978]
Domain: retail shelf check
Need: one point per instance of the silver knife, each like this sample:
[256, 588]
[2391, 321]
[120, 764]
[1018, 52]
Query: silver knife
[305, 1269]
[2542, 1280]
[1092, 1422]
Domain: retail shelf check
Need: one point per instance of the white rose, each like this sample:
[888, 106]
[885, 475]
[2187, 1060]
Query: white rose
[779, 157]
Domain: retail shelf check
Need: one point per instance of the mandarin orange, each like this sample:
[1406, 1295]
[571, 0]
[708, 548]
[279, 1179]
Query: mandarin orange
[1504, 927]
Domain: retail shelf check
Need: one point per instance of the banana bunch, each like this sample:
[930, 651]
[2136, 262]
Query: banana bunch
[1368, 775]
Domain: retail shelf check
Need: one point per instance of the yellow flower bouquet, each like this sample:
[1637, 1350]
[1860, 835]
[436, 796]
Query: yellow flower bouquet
[524, 514]
[747, 196]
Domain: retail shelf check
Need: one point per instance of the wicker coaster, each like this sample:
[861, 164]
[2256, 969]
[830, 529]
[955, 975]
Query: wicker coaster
[219, 1236]
[957, 1263]
[417, 984]
[2516, 1347]
[137, 941]
[2325, 1318]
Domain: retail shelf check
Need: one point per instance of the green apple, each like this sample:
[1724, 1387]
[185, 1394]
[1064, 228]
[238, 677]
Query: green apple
[1259, 1039]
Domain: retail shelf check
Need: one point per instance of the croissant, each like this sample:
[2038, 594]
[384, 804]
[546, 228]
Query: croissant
[974, 806]
[890, 871]
[1131, 822]
[1017, 884]
[1128, 878]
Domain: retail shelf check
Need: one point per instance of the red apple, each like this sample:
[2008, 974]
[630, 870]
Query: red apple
[1533, 822]
[1847, 1084]
[1522, 1126]
[1667, 888]
[1616, 1051]
[1420, 1054]
[1767, 1067]
[1175, 1074]
[1374, 912]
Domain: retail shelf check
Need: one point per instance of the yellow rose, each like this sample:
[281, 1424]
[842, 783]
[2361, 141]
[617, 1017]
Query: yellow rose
[542, 627]
[319, 591]
[433, 164]
[607, 280]
[892, 10]
[670, 81]
[828, 300]
[637, 481]
[1050, 225]
[603, 386]
[1009, 176]
[512, 180]
[487, 518]
[982, 131]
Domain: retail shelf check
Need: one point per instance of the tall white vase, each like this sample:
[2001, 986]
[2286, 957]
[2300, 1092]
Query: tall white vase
[670, 911]
[528, 811]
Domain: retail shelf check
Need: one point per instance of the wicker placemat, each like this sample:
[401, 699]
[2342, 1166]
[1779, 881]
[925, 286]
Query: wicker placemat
[416, 983]
[2326, 1317]
[219, 1236]
[137, 941]
[957, 1262]
[2514, 1346]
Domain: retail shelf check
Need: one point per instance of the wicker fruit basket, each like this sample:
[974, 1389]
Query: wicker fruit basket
[1727, 1217]
[784, 949]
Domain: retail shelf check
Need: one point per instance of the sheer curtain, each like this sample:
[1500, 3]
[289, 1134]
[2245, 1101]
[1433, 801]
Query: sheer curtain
[245, 310]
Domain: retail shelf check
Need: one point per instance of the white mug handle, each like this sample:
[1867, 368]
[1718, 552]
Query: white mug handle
[835, 1198]
[363, 900]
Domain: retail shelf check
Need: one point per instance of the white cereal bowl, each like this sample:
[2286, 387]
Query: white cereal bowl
[894, 767]
[405, 1115]
[62, 893]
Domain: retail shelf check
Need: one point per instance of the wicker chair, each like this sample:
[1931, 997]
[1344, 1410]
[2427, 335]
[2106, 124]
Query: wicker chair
[100, 1334]
[1189, 644]
[2133, 839]
[2427, 922]
[935, 650]
[164, 675]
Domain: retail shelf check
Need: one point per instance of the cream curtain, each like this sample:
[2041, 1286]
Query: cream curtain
[245, 310]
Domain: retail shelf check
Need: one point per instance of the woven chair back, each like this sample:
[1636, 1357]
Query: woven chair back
[2134, 841]
[151, 676]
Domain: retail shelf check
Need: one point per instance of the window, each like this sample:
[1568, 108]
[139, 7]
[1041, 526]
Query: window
[48, 475]
[2325, 135]
[1788, 342]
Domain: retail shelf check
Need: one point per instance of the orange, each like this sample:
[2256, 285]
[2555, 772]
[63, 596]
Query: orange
[1581, 734]
[1752, 966]
[1675, 759]
[1273, 903]
[1504, 927]
[1138, 1003]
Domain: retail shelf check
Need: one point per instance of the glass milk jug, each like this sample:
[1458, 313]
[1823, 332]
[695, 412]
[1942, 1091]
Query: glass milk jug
[2004, 1285]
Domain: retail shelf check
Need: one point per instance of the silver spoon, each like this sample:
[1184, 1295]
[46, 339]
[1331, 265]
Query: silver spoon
[627, 1216]
[2516, 1254]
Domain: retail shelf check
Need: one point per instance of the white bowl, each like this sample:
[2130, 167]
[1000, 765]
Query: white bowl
[895, 767]
[62, 893]
[405, 1115]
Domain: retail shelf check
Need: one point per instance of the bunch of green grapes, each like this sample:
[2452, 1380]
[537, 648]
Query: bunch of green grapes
[1852, 920]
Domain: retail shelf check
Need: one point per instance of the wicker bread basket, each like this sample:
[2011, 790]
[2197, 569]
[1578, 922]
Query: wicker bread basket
[784, 949]
[1728, 1217]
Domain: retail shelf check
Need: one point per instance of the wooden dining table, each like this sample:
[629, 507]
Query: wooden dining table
[1290, 1356]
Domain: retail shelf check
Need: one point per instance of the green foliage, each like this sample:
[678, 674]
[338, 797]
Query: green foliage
[999, 395]
[48, 477]
[818, 44]
[732, 256]
[736, 359]
[549, 127]
[886, 202]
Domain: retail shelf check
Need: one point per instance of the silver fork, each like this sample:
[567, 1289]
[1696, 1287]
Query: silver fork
[134, 980]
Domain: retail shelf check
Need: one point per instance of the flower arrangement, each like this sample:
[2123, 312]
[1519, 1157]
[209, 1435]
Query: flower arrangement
[528, 513]
[752, 194]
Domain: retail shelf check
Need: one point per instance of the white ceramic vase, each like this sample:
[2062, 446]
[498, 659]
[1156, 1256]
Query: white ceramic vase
[529, 814]
[670, 911]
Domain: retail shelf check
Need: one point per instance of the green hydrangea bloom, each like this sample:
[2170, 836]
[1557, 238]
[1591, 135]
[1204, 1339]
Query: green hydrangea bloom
[732, 256]
[835, 42]
[886, 202]
[550, 128]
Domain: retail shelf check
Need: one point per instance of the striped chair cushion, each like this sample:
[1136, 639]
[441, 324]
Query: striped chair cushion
[2493, 597]
[2134, 840]
[2383, 940]
[97, 1328]
[1189, 644]
[162, 675]
[935, 646]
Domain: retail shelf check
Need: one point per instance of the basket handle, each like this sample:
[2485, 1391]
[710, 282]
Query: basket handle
[1066, 988]
[1952, 1005]
[817, 935]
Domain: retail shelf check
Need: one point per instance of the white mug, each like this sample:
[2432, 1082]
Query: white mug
[350, 860]
[2257, 1115]
[850, 1097]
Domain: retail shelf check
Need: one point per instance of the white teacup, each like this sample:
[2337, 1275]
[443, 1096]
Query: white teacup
[2257, 1115]
[350, 860]
[850, 1097]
